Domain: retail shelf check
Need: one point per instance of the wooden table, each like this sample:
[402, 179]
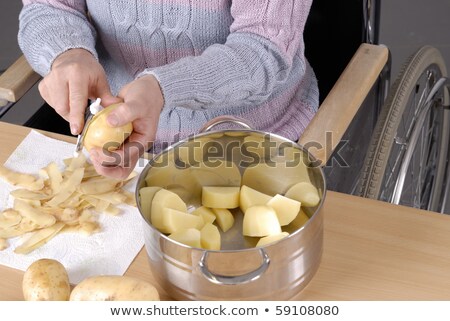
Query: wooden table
[372, 250]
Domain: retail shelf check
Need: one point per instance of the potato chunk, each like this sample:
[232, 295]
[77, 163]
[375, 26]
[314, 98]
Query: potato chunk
[210, 237]
[250, 197]
[286, 208]
[206, 213]
[224, 218]
[164, 199]
[275, 177]
[190, 237]
[174, 220]
[271, 238]
[300, 220]
[146, 195]
[217, 173]
[220, 196]
[304, 192]
[261, 220]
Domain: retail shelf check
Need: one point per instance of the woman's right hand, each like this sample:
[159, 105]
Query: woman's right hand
[75, 77]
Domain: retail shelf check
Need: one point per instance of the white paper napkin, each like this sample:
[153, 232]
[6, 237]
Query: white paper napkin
[109, 252]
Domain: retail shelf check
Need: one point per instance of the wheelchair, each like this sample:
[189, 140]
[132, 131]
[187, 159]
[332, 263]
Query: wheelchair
[401, 156]
[407, 159]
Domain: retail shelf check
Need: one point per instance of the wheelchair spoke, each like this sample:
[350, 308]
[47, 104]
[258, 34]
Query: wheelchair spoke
[415, 186]
[409, 151]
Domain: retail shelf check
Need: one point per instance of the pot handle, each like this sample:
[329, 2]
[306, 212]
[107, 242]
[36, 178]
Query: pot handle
[224, 119]
[235, 279]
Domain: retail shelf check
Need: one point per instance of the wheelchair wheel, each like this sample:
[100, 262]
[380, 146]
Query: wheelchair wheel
[407, 157]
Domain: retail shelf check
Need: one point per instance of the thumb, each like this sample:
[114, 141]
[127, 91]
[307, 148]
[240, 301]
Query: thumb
[108, 99]
[122, 115]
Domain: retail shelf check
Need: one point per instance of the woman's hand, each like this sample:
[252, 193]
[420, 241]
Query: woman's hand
[142, 105]
[75, 77]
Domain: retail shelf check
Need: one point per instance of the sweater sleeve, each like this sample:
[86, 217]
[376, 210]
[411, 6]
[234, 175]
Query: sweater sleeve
[48, 28]
[245, 70]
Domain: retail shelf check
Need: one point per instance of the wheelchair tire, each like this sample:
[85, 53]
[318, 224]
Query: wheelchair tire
[390, 172]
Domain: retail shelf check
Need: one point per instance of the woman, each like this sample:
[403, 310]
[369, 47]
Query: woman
[174, 64]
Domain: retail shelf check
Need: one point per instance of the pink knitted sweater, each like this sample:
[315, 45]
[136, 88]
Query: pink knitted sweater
[211, 57]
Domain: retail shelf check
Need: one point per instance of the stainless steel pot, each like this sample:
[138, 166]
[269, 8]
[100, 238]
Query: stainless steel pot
[239, 271]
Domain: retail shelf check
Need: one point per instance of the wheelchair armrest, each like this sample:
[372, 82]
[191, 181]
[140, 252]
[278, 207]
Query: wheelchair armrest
[344, 100]
[17, 80]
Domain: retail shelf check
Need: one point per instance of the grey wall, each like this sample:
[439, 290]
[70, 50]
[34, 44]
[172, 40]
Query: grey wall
[408, 24]
[9, 10]
[9, 52]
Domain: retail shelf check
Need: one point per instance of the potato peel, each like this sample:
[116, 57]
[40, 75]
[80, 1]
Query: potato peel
[3, 244]
[39, 238]
[20, 179]
[56, 201]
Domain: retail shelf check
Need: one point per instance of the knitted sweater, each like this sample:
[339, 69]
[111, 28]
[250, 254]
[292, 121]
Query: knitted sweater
[211, 57]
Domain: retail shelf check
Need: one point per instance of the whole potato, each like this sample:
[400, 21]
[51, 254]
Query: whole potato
[100, 134]
[46, 280]
[114, 288]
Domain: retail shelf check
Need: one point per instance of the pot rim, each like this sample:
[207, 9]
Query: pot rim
[166, 150]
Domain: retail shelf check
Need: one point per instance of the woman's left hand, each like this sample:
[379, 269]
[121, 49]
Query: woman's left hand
[142, 105]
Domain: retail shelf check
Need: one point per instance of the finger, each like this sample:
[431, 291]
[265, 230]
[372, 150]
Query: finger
[125, 156]
[109, 99]
[124, 114]
[113, 164]
[103, 91]
[78, 98]
[113, 172]
[141, 141]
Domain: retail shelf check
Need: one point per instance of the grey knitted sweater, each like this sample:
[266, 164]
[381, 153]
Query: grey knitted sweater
[211, 57]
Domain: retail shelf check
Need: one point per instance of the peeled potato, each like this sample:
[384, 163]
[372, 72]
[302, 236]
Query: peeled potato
[192, 152]
[166, 174]
[101, 134]
[304, 192]
[210, 237]
[250, 197]
[206, 213]
[224, 218]
[174, 220]
[146, 195]
[255, 146]
[46, 280]
[277, 176]
[286, 208]
[260, 220]
[164, 199]
[300, 220]
[190, 237]
[271, 238]
[220, 196]
[114, 288]
[216, 173]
